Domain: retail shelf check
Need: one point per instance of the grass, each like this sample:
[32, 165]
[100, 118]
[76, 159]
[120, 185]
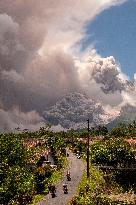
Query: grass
[36, 199]
[101, 191]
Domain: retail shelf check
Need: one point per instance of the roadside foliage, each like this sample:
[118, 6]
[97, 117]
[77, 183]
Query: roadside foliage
[24, 172]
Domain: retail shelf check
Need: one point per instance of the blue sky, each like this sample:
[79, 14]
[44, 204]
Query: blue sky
[114, 33]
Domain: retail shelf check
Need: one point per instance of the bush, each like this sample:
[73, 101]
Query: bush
[12, 150]
[17, 184]
[15, 181]
[112, 152]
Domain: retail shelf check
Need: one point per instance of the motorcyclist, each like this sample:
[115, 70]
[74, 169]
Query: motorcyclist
[52, 190]
[65, 189]
[68, 176]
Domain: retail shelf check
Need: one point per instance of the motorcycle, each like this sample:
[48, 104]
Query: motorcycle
[68, 176]
[65, 189]
[53, 194]
[52, 190]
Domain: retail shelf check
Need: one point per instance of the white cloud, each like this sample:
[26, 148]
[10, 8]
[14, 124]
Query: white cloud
[52, 29]
[10, 120]
[129, 96]
[102, 78]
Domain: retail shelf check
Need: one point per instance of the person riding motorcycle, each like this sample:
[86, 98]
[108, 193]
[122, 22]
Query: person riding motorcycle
[52, 190]
[68, 176]
[65, 189]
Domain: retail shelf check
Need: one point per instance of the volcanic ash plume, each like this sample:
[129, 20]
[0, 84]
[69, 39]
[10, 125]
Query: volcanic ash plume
[39, 49]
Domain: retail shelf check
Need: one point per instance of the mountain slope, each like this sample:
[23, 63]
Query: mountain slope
[127, 115]
[72, 111]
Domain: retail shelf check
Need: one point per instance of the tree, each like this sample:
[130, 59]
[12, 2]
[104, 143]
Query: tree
[15, 180]
[17, 184]
[12, 150]
[112, 152]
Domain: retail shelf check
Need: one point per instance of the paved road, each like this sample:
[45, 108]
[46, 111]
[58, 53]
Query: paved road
[76, 167]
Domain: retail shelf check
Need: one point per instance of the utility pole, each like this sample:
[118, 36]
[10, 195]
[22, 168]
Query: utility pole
[88, 174]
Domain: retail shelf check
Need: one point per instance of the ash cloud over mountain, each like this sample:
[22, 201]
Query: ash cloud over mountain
[107, 73]
[103, 79]
[73, 110]
[14, 119]
[40, 61]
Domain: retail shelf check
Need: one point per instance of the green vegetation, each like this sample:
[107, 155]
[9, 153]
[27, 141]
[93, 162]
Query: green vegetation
[112, 169]
[116, 153]
[25, 175]
[124, 130]
[24, 172]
